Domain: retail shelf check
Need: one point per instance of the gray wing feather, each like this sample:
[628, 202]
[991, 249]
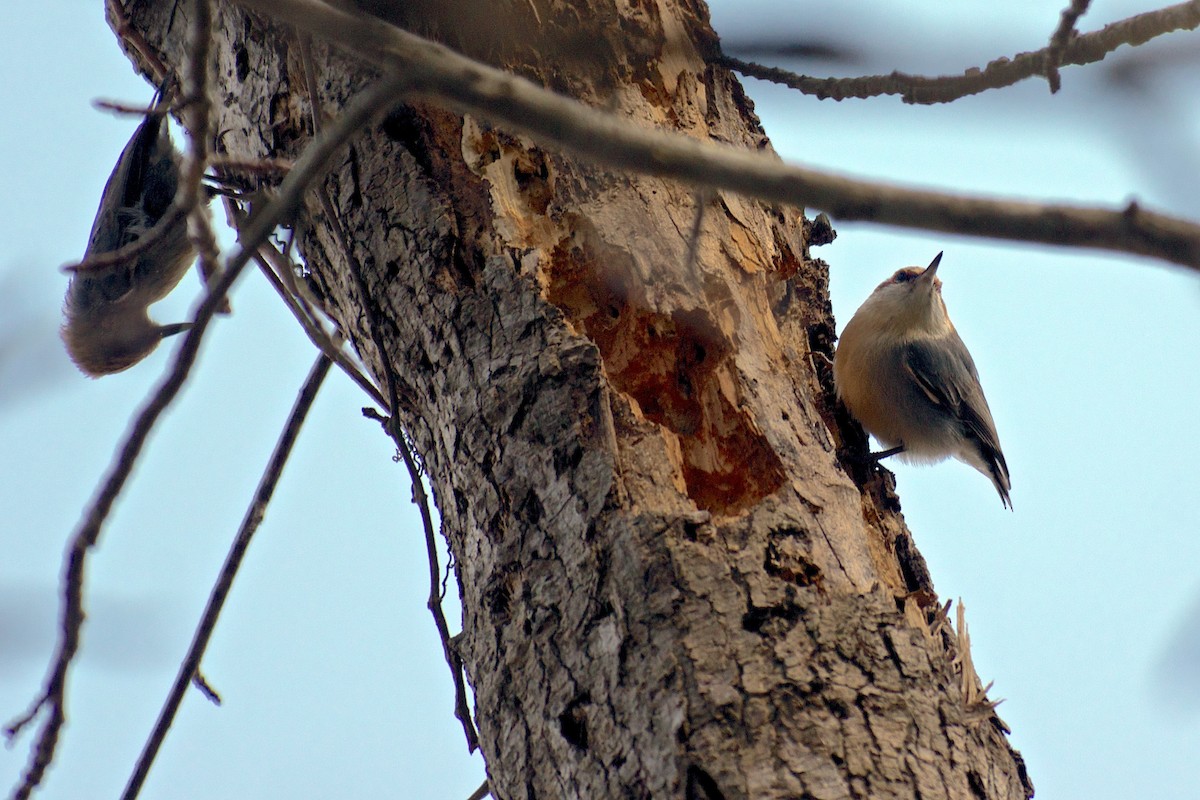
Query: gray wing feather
[930, 364]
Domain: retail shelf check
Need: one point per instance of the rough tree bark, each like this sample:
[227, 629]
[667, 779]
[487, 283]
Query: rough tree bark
[671, 585]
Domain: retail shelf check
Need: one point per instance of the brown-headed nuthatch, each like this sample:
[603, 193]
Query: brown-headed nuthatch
[107, 327]
[904, 373]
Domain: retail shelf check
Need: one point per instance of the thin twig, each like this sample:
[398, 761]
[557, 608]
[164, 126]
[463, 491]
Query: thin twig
[174, 214]
[256, 166]
[360, 284]
[189, 668]
[312, 328]
[1060, 39]
[462, 708]
[446, 573]
[278, 270]
[281, 273]
[1085, 49]
[310, 80]
[130, 110]
[205, 688]
[311, 166]
[608, 139]
[483, 791]
[281, 263]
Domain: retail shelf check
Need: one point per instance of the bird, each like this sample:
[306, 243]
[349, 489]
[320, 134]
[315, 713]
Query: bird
[903, 372]
[107, 327]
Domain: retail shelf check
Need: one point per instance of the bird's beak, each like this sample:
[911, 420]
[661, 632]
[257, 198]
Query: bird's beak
[928, 275]
[173, 328]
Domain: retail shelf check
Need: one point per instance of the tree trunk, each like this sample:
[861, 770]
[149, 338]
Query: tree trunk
[671, 586]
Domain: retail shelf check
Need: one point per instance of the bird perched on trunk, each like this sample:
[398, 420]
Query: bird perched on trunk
[904, 373]
[107, 327]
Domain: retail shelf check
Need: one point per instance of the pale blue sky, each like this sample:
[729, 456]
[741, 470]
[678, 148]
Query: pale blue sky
[1079, 601]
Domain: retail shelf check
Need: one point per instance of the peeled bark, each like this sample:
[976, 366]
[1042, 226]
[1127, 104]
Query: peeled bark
[671, 584]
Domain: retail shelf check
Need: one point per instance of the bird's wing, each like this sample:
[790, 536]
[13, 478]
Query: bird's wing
[932, 366]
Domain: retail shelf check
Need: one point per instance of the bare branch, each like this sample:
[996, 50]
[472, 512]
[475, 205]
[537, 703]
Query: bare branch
[280, 272]
[311, 166]
[1086, 49]
[1060, 39]
[189, 668]
[483, 791]
[520, 105]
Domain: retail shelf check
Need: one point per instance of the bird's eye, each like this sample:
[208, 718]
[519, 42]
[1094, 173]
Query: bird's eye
[903, 276]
